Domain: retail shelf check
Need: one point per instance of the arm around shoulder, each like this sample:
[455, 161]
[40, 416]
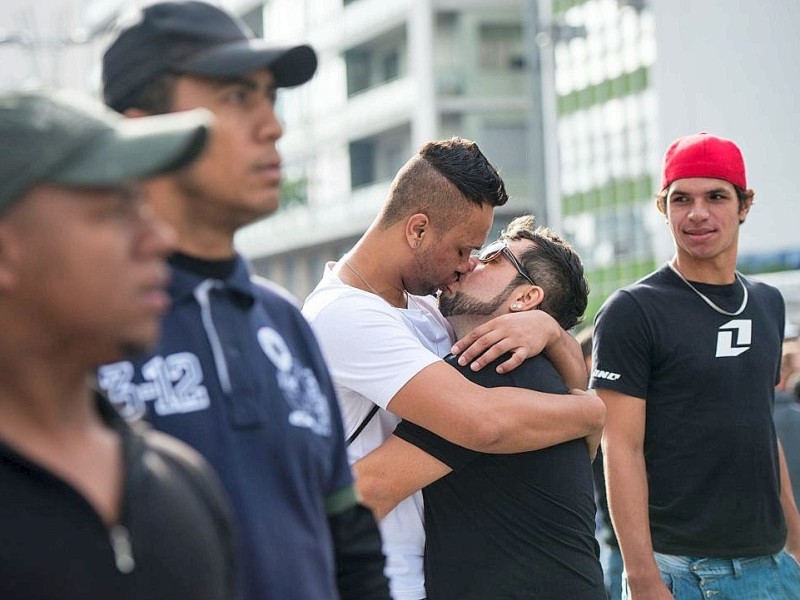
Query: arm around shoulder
[494, 420]
[523, 334]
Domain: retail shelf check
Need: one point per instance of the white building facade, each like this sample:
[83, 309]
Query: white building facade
[574, 100]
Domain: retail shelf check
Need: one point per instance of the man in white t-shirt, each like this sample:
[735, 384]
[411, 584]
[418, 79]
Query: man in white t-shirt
[383, 337]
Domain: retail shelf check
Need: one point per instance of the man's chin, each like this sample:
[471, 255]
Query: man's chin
[134, 348]
[447, 303]
[423, 290]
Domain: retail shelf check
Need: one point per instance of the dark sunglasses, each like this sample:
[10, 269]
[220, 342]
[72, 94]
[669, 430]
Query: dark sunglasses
[493, 250]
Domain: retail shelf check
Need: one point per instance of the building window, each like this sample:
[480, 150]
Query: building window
[362, 162]
[391, 65]
[501, 47]
[379, 61]
[358, 71]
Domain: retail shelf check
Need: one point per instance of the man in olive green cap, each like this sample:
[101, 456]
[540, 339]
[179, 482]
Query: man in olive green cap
[92, 508]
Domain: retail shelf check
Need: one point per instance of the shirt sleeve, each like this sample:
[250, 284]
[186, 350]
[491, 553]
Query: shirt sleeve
[622, 349]
[454, 456]
[359, 560]
[368, 348]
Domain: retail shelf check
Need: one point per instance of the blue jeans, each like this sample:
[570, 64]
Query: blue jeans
[613, 574]
[772, 577]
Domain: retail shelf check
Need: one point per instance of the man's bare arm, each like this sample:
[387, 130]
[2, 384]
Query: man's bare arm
[628, 494]
[524, 334]
[494, 420]
[392, 472]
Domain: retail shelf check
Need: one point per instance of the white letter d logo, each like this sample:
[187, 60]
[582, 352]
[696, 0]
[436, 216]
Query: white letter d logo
[734, 337]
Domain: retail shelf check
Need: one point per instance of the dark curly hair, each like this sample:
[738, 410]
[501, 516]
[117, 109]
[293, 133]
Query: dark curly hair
[556, 267]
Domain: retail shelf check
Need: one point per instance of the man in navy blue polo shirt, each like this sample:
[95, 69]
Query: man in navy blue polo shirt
[237, 373]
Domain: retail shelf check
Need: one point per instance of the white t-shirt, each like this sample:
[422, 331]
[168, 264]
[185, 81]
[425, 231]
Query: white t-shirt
[373, 349]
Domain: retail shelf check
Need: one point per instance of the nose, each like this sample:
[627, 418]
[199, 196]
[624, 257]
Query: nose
[268, 127]
[699, 210]
[158, 237]
[467, 265]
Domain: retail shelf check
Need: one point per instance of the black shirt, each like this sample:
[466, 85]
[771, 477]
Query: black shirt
[507, 526]
[708, 380]
[173, 540]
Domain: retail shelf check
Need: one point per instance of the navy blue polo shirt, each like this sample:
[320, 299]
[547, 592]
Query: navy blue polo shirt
[239, 376]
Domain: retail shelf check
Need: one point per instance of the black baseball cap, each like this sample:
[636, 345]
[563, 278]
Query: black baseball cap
[67, 138]
[194, 38]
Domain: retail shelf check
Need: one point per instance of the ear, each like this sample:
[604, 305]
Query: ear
[745, 210]
[661, 204]
[527, 297]
[8, 257]
[417, 227]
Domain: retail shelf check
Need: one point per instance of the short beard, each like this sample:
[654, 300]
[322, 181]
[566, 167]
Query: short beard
[463, 304]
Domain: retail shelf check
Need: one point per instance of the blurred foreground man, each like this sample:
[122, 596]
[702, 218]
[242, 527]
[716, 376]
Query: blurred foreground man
[687, 360]
[237, 373]
[91, 507]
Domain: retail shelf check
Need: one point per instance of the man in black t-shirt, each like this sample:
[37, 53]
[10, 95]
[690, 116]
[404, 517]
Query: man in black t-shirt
[501, 525]
[686, 360]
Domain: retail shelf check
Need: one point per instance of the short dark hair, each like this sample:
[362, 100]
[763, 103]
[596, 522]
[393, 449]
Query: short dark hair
[425, 182]
[556, 267]
[154, 97]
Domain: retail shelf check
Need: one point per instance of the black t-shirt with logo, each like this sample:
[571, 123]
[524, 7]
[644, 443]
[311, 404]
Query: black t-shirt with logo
[708, 380]
[511, 526]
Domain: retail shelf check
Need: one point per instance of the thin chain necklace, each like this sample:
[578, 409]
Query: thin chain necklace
[708, 300]
[407, 296]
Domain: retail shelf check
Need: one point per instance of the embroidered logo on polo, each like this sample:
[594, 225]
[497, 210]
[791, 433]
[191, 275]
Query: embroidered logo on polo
[174, 384]
[298, 384]
[734, 338]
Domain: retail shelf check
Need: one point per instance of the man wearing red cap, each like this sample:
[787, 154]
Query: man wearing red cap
[686, 361]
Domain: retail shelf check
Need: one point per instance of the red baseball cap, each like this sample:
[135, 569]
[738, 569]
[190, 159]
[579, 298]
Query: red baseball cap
[703, 155]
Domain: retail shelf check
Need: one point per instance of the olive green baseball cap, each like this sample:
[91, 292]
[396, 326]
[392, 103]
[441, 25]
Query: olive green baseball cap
[65, 138]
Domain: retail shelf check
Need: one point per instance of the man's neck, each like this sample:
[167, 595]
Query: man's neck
[367, 269]
[463, 324]
[718, 271]
[54, 422]
[202, 233]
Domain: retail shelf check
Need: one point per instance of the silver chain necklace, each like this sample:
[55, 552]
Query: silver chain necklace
[407, 296]
[708, 300]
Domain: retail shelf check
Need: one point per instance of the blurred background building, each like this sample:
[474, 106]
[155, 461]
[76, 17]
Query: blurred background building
[574, 100]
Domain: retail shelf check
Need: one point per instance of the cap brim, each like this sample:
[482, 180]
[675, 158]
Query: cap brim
[138, 149]
[290, 65]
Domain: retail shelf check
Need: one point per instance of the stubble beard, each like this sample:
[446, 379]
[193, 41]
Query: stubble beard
[464, 304]
[211, 208]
